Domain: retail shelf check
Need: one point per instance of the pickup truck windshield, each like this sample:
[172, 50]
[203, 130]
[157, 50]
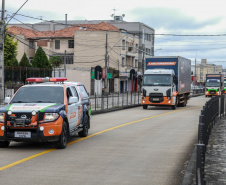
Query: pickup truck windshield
[157, 80]
[39, 94]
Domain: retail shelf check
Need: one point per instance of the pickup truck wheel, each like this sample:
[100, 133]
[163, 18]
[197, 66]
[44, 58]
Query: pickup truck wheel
[85, 127]
[145, 106]
[4, 144]
[62, 143]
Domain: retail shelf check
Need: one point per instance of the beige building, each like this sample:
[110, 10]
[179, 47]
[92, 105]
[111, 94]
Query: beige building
[84, 47]
[205, 68]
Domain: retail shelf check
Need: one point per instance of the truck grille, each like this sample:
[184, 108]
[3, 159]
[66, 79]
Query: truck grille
[212, 92]
[29, 116]
[156, 97]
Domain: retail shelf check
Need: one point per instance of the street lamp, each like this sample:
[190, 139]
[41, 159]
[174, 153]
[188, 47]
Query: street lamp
[156, 50]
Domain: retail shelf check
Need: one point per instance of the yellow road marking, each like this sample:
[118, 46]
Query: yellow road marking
[89, 136]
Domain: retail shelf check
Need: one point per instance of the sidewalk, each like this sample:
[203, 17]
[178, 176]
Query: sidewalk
[215, 166]
[215, 163]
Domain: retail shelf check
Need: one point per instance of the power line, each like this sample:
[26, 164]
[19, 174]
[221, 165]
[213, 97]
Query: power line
[17, 12]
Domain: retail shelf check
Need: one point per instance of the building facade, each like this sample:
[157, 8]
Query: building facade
[84, 47]
[200, 71]
[144, 32]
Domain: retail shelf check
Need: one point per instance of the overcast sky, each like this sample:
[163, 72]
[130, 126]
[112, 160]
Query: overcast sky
[178, 17]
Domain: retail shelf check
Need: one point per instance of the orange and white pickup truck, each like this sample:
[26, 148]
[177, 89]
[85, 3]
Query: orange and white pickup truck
[46, 110]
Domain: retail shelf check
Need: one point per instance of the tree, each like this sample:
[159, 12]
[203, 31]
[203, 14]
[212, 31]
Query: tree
[10, 51]
[55, 61]
[24, 62]
[40, 59]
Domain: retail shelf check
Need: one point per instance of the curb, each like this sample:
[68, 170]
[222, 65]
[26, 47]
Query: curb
[190, 170]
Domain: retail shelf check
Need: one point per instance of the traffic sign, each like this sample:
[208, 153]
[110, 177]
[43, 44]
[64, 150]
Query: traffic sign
[98, 72]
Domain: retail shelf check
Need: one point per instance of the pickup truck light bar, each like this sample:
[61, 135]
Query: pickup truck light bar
[47, 79]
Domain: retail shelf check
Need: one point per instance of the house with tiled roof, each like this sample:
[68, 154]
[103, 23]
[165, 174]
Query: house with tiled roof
[85, 46]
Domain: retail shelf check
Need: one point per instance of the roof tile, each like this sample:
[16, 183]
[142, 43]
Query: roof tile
[66, 32]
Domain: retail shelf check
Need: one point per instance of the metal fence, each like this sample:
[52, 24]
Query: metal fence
[114, 101]
[213, 110]
[15, 77]
[197, 91]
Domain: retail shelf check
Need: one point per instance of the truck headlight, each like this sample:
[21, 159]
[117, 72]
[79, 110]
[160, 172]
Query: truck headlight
[51, 117]
[2, 117]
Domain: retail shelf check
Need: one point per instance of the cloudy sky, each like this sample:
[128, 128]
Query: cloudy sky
[195, 29]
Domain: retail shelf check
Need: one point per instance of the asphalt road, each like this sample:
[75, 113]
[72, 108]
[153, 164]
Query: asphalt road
[131, 146]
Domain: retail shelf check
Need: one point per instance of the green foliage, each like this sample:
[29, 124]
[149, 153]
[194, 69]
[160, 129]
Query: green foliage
[24, 62]
[55, 61]
[10, 51]
[115, 73]
[40, 59]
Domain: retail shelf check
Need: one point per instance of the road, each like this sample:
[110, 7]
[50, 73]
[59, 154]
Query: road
[127, 147]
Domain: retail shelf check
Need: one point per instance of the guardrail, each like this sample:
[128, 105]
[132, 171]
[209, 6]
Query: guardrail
[213, 110]
[114, 101]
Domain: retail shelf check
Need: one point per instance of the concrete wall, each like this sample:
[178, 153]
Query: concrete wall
[23, 47]
[79, 75]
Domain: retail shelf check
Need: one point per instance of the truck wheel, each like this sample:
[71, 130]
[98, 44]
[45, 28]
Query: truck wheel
[62, 143]
[145, 106]
[85, 127]
[175, 106]
[184, 103]
[4, 144]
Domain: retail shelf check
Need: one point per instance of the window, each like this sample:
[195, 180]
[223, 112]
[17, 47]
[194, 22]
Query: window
[137, 48]
[123, 45]
[70, 43]
[30, 60]
[123, 62]
[57, 44]
[136, 63]
[83, 91]
[69, 59]
[31, 44]
[69, 93]
[75, 94]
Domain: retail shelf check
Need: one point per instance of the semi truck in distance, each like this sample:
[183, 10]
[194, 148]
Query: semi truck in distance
[166, 82]
[214, 85]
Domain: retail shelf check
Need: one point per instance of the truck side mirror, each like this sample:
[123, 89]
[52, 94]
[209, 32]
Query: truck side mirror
[175, 80]
[73, 100]
[144, 93]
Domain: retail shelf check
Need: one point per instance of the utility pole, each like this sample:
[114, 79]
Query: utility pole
[2, 28]
[195, 72]
[106, 62]
[65, 64]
